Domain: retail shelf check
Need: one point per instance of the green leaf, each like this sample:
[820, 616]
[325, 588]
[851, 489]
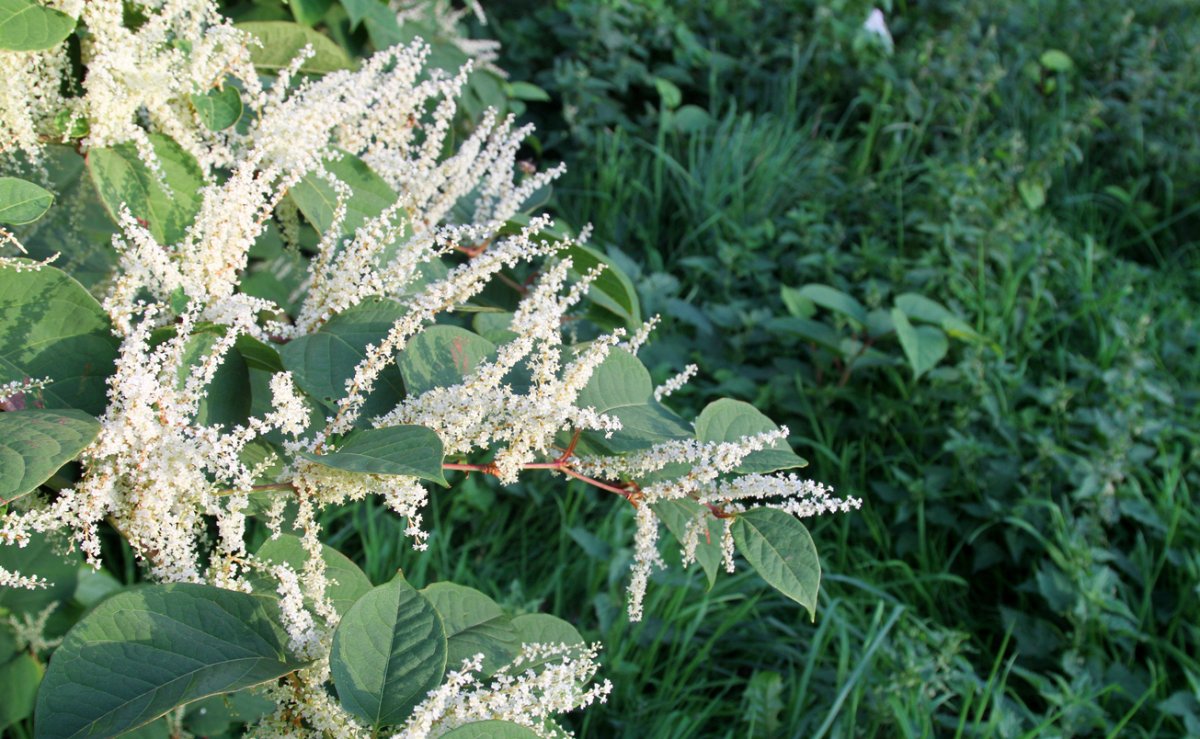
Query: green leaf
[347, 583]
[621, 387]
[924, 346]
[283, 40]
[388, 651]
[796, 304]
[219, 108]
[317, 199]
[730, 420]
[816, 332]
[676, 515]
[35, 443]
[491, 729]
[1056, 61]
[612, 290]
[441, 356]
[148, 650]
[322, 362]
[122, 178]
[19, 679]
[395, 450]
[51, 327]
[526, 91]
[81, 234]
[380, 20]
[22, 202]
[42, 557]
[620, 380]
[781, 550]
[227, 400]
[475, 624]
[668, 92]
[309, 12]
[920, 308]
[28, 26]
[542, 628]
[836, 301]
[1032, 192]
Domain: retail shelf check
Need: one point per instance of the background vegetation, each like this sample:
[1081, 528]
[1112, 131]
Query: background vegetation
[1027, 560]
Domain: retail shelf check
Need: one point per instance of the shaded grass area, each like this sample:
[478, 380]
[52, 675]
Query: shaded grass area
[1025, 563]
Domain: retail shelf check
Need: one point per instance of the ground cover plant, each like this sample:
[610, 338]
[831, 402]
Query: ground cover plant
[777, 179]
[314, 282]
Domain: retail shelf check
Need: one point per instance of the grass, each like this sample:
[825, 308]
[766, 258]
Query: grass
[1025, 562]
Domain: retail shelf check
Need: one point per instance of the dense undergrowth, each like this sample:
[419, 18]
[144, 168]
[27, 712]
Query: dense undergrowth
[1027, 561]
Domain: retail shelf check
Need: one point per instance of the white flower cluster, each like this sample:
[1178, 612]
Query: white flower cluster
[485, 411]
[153, 469]
[529, 697]
[710, 482]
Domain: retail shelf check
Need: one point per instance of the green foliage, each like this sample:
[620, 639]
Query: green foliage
[491, 730]
[323, 361]
[780, 549]
[183, 642]
[389, 650]
[50, 327]
[34, 443]
[394, 450]
[282, 41]
[22, 202]
[28, 26]
[164, 204]
[347, 581]
[219, 108]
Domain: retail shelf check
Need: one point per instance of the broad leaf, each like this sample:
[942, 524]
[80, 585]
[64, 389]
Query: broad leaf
[676, 515]
[781, 550]
[612, 290]
[22, 202]
[730, 420]
[282, 41]
[35, 443]
[51, 327]
[380, 21]
[836, 301]
[388, 651]
[322, 362]
[123, 179]
[29, 26]
[45, 558]
[441, 356]
[474, 624]
[219, 108]
[491, 729]
[921, 308]
[621, 387]
[924, 346]
[542, 628]
[81, 235]
[309, 12]
[148, 650]
[19, 678]
[620, 380]
[317, 199]
[395, 450]
[347, 583]
[227, 400]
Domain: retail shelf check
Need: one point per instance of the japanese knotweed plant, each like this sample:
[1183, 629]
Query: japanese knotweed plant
[299, 243]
